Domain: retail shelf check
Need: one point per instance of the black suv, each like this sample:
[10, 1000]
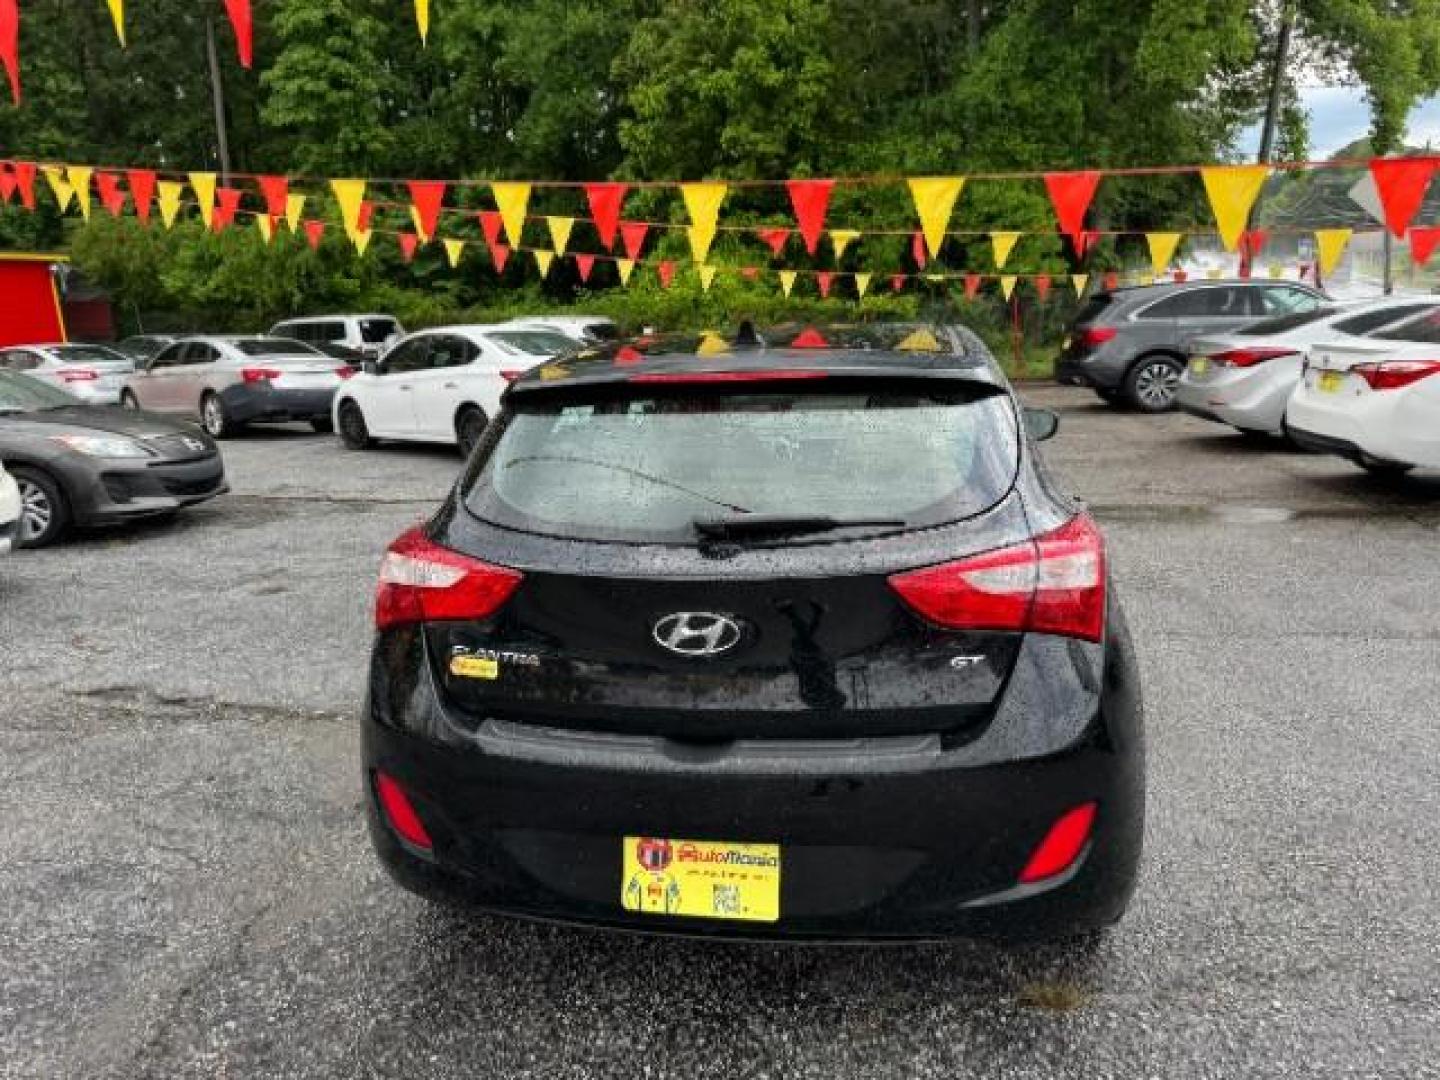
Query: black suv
[793, 639]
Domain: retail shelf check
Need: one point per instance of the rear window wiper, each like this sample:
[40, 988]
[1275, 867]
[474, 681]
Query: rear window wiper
[734, 528]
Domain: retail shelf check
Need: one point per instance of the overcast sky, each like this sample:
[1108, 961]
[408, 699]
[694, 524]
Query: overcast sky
[1339, 115]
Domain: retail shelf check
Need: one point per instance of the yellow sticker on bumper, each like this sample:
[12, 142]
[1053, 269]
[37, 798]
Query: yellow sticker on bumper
[474, 667]
[701, 878]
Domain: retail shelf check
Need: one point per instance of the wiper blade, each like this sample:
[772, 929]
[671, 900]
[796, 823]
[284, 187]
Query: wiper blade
[734, 528]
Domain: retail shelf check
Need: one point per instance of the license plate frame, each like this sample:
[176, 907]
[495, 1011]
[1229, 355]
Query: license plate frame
[732, 881]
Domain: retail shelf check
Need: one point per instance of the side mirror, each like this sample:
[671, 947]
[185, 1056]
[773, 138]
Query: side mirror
[1042, 424]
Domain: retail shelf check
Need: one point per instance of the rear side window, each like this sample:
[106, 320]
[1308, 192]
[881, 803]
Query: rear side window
[1372, 320]
[1425, 329]
[1281, 323]
[273, 346]
[1213, 303]
[375, 331]
[88, 354]
[644, 469]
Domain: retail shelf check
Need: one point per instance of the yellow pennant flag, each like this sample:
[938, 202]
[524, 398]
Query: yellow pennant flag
[707, 275]
[543, 259]
[512, 199]
[702, 202]
[453, 250]
[841, 239]
[267, 230]
[204, 186]
[349, 194]
[1330, 244]
[787, 281]
[168, 194]
[117, 15]
[419, 226]
[64, 191]
[422, 20]
[1078, 282]
[79, 178]
[294, 207]
[934, 200]
[560, 232]
[626, 268]
[1003, 243]
[1007, 285]
[862, 282]
[1233, 190]
[362, 240]
[1162, 249]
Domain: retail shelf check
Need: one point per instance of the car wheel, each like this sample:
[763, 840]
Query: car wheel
[469, 426]
[128, 400]
[215, 418]
[44, 513]
[1151, 384]
[322, 424]
[1108, 394]
[354, 434]
[1375, 467]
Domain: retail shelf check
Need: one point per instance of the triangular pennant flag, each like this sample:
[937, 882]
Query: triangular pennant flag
[810, 200]
[1112, 280]
[1078, 283]
[626, 268]
[560, 229]
[702, 202]
[842, 239]
[1042, 286]
[1179, 277]
[59, 186]
[10, 45]
[314, 233]
[862, 284]
[1088, 239]
[422, 20]
[750, 273]
[276, 192]
[776, 238]
[1422, 244]
[453, 250]
[666, 270]
[363, 219]
[266, 224]
[1401, 184]
[408, 241]
[78, 176]
[1330, 246]
[1162, 249]
[239, 12]
[426, 199]
[1252, 241]
[917, 250]
[500, 255]
[1232, 190]
[934, 198]
[972, 286]
[142, 191]
[512, 199]
[543, 259]
[1002, 244]
[7, 182]
[823, 280]
[491, 224]
[1070, 195]
[111, 197]
[349, 194]
[169, 199]
[809, 338]
[24, 173]
[787, 281]
[227, 202]
[203, 184]
[294, 208]
[583, 265]
[605, 201]
[632, 233]
[707, 276]
[1007, 285]
[117, 16]
[361, 240]
[897, 282]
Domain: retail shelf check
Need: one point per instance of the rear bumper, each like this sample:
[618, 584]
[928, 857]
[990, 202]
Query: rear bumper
[1103, 368]
[9, 535]
[1250, 400]
[257, 402]
[1396, 426]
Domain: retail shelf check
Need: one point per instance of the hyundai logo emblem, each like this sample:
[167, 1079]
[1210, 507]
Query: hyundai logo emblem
[698, 633]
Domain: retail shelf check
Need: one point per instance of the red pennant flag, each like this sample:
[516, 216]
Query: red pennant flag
[111, 197]
[605, 201]
[972, 286]
[823, 279]
[142, 192]
[490, 224]
[7, 182]
[1042, 286]
[1401, 183]
[632, 234]
[1088, 239]
[811, 199]
[276, 190]
[897, 282]
[239, 12]
[750, 273]
[362, 219]
[1070, 195]
[24, 173]
[1112, 280]
[809, 338]
[1181, 276]
[499, 255]
[408, 242]
[314, 231]
[227, 201]
[584, 264]
[776, 238]
[1422, 244]
[666, 270]
[10, 44]
[1252, 242]
[917, 249]
[628, 354]
[427, 196]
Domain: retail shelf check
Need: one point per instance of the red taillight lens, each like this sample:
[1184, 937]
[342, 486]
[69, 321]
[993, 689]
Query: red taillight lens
[420, 581]
[345, 372]
[1062, 845]
[511, 375]
[1244, 358]
[258, 374]
[78, 374]
[1096, 335]
[400, 813]
[1394, 374]
[1054, 584]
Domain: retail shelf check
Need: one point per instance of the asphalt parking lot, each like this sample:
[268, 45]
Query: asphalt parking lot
[189, 892]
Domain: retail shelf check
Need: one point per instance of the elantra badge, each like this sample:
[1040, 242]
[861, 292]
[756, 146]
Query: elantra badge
[698, 633]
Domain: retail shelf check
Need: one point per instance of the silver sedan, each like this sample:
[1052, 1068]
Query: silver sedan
[93, 373]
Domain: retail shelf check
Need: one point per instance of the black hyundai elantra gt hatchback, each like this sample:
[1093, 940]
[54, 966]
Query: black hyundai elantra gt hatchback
[797, 639]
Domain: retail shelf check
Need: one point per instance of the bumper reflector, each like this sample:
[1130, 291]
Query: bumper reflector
[400, 814]
[1062, 845]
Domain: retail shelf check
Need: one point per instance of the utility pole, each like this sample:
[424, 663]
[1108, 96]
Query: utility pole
[1272, 107]
[217, 96]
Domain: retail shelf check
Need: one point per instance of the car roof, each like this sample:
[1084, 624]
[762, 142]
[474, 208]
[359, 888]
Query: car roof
[342, 315]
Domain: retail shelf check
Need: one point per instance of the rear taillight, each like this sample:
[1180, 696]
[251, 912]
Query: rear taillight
[511, 375]
[1244, 358]
[258, 374]
[1394, 374]
[1092, 336]
[1062, 845]
[420, 581]
[400, 814]
[78, 374]
[1054, 584]
[345, 372]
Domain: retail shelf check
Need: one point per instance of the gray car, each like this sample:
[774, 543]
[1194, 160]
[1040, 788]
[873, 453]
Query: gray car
[1130, 345]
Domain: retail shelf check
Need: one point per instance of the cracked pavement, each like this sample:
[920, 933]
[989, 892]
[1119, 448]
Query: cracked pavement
[189, 892]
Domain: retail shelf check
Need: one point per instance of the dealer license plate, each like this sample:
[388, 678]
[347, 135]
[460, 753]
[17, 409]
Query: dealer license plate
[707, 879]
[1329, 382]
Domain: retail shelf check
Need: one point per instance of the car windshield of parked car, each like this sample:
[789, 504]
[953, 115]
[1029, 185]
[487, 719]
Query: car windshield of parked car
[535, 342]
[269, 346]
[378, 331]
[1283, 323]
[645, 469]
[89, 354]
[20, 393]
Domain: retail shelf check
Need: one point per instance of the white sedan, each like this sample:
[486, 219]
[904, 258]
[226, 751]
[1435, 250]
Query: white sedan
[1375, 401]
[10, 511]
[92, 373]
[441, 385]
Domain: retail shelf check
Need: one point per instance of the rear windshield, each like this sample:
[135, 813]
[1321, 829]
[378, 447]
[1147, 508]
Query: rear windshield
[1093, 308]
[274, 346]
[378, 331]
[645, 469]
[1282, 323]
[89, 354]
[536, 342]
[602, 331]
[20, 393]
[1424, 329]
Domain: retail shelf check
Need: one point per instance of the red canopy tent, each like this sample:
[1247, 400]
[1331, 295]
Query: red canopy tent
[29, 301]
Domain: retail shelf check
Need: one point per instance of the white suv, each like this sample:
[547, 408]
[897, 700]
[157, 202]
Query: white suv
[367, 335]
[10, 509]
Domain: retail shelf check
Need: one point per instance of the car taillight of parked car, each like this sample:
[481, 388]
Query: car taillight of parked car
[1396, 374]
[345, 372]
[1244, 358]
[258, 374]
[70, 375]
[1054, 584]
[510, 375]
[420, 581]
[1093, 336]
